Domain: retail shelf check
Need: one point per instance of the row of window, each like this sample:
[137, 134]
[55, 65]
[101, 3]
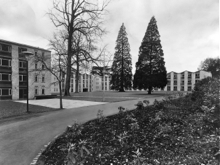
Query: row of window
[37, 91]
[7, 77]
[7, 48]
[42, 66]
[5, 92]
[182, 82]
[36, 78]
[182, 76]
[189, 88]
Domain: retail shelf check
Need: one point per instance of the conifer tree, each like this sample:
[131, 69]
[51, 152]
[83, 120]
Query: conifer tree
[122, 66]
[150, 68]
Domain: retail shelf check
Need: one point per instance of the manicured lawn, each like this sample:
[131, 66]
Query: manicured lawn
[11, 108]
[114, 96]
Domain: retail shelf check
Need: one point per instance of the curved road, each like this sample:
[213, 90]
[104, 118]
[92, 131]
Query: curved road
[22, 140]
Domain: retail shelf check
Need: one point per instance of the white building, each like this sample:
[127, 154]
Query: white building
[184, 81]
[87, 83]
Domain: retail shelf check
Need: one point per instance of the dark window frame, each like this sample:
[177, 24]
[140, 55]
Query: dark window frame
[9, 92]
[43, 90]
[2, 46]
[8, 75]
[1, 62]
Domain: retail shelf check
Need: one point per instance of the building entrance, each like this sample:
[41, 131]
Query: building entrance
[22, 93]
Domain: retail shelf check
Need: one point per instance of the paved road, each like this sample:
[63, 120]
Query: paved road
[21, 141]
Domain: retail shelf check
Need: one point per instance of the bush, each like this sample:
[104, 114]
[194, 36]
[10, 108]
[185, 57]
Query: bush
[177, 130]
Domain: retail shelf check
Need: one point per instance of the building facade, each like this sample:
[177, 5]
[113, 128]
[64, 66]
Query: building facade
[13, 74]
[87, 83]
[184, 81]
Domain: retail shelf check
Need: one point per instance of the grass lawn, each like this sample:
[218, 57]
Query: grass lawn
[174, 131]
[114, 96]
[11, 108]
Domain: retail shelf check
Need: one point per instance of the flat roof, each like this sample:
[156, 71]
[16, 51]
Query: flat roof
[188, 71]
[22, 45]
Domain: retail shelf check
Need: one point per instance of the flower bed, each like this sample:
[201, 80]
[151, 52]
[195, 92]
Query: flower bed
[174, 131]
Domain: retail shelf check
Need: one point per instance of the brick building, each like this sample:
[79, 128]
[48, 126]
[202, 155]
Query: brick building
[13, 75]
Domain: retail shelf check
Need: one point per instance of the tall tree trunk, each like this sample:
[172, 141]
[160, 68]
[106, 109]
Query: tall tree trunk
[77, 73]
[150, 87]
[77, 77]
[122, 71]
[68, 72]
[61, 103]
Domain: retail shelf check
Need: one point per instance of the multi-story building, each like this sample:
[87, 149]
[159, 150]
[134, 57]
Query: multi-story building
[87, 83]
[184, 81]
[13, 74]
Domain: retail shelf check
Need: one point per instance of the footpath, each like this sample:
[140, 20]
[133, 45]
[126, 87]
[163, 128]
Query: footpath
[22, 140]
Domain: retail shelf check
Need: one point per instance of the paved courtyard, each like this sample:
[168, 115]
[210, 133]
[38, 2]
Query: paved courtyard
[55, 103]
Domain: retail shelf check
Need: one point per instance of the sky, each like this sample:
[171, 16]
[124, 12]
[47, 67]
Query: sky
[189, 29]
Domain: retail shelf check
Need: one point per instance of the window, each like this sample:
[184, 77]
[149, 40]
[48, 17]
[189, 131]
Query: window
[175, 76]
[71, 87]
[182, 75]
[197, 75]
[189, 88]
[43, 78]
[5, 48]
[43, 66]
[22, 64]
[189, 75]
[36, 90]
[189, 82]
[5, 77]
[5, 92]
[175, 82]
[182, 82]
[182, 88]
[197, 81]
[35, 65]
[168, 88]
[105, 78]
[35, 54]
[22, 78]
[175, 88]
[43, 90]
[5, 62]
[168, 82]
[36, 78]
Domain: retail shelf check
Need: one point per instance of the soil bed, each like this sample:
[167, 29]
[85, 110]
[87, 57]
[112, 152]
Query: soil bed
[174, 131]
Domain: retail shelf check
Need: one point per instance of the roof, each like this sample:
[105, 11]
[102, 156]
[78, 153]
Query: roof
[188, 71]
[22, 45]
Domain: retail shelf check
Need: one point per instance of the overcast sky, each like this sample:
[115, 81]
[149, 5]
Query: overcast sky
[189, 29]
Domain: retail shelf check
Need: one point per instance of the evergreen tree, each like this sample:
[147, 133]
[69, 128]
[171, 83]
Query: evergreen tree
[150, 68]
[122, 67]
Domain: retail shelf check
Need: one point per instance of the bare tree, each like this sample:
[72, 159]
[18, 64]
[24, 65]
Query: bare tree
[79, 16]
[57, 68]
[83, 54]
